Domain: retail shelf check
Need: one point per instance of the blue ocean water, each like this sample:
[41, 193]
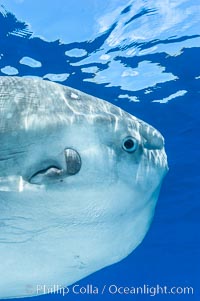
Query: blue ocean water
[142, 56]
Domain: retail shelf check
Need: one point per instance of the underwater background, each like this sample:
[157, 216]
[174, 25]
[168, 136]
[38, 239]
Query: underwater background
[143, 56]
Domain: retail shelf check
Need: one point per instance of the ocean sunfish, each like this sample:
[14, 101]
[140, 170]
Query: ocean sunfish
[79, 181]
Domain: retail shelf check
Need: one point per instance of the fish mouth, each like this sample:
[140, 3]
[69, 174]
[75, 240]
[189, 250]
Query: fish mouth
[73, 165]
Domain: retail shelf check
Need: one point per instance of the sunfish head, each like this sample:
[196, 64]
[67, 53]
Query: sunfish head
[79, 181]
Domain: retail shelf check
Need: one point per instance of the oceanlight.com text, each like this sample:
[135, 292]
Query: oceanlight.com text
[111, 289]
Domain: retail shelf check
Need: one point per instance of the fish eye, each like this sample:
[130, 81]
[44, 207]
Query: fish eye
[130, 144]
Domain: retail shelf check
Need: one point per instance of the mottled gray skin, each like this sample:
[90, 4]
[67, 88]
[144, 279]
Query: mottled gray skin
[59, 229]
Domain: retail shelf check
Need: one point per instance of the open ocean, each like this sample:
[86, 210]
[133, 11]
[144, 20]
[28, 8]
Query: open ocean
[143, 56]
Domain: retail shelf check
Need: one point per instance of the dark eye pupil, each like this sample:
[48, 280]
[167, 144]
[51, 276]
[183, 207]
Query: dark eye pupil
[128, 144]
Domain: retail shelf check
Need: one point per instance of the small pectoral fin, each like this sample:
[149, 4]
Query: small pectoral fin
[53, 173]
